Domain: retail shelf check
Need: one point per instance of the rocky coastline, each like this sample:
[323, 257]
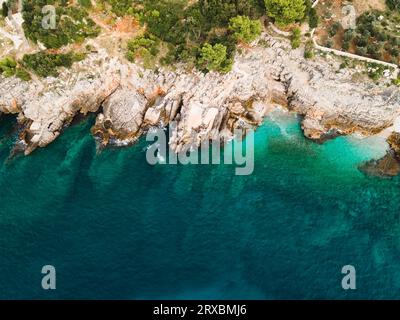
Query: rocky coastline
[130, 100]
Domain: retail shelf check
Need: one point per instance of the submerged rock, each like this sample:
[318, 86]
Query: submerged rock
[388, 166]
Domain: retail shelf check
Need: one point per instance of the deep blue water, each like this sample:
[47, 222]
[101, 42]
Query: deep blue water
[116, 227]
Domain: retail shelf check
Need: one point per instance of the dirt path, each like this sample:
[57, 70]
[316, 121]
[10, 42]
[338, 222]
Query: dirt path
[357, 57]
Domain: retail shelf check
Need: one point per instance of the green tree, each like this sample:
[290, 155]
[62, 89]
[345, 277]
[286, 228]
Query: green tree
[214, 58]
[22, 74]
[393, 4]
[285, 11]
[245, 29]
[46, 64]
[8, 66]
[85, 3]
[4, 9]
[334, 28]
[73, 23]
[296, 38]
[220, 11]
[309, 50]
[313, 18]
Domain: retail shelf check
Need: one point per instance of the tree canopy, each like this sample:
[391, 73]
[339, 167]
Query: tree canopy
[285, 11]
[214, 58]
[245, 29]
[393, 4]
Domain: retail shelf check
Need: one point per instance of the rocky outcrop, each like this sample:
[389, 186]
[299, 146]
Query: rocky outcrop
[394, 142]
[388, 166]
[132, 100]
[204, 106]
[46, 106]
[332, 101]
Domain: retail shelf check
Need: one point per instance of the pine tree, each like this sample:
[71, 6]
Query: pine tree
[285, 11]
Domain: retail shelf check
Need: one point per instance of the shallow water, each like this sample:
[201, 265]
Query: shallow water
[116, 227]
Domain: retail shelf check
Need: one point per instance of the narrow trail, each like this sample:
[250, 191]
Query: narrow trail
[356, 57]
[396, 68]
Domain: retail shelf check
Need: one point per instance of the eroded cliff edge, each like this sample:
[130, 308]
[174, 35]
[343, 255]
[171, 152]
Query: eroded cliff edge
[131, 100]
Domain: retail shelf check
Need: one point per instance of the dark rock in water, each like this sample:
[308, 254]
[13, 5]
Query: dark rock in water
[394, 142]
[388, 166]
[330, 135]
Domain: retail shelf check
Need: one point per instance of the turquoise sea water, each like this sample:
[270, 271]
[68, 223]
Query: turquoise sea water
[115, 227]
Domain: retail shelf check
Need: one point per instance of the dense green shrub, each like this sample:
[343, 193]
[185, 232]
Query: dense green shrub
[148, 42]
[9, 68]
[362, 51]
[349, 35]
[393, 4]
[244, 29]
[296, 38]
[4, 9]
[22, 74]
[375, 71]
[121, 7]
[214, 58]
[334, 28]
[377, 36]
[145, 48]
[185, 28]
[313, 18]
[72, 23]
[309, 50]
[285, 11]
[311, 14]
[46, 64]
[219, 12]
[85, 3]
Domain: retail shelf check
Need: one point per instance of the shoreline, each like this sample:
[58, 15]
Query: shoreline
[376, 158]
[130, 100]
